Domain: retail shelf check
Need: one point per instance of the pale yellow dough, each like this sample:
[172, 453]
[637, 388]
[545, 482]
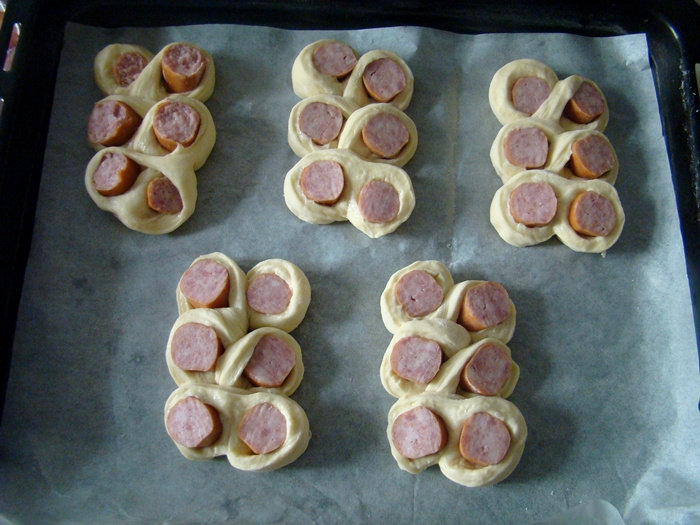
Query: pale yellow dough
[566, 190]
[355, 88]
[232, 403]
[357, 173]
[149, 84]
[454, 410]
[351, 135]
[552, 108]
[301, 143]
[299, 303]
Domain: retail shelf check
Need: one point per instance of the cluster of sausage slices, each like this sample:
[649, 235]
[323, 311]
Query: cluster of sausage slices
[151, 132]
[449, 365]
[352, 136]
[557, 166]
[235, 363]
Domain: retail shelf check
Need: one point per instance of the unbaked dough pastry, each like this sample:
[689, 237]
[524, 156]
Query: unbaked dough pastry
[552, 108]
[356, 91]
[351, 136]
[231, 404]
[149, 84]
[454, 410]
[307, 80]
[357, 173]
[299, 141]
[565, 190]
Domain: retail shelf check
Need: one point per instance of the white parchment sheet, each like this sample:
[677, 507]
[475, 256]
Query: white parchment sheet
[609, 366]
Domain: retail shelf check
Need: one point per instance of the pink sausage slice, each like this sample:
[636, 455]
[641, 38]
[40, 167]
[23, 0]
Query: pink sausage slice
[484, 305]
[592, 214]
[321, 122]
[418, 432]
[418, 293]
[163, 196]
[268, 294]
[263, 428]
[111, 123]
[195, 347]
[385, 135]
[378, 202]
[526, 147]
[127, 67]
[323, 182]
[271, 362]
[487, 370]
[383, 79]
[484, 440]
[193, 423]
[591, 157]
[176, 123]
[416, 359]
[528, 94]
[586, 105]
[533, 204]
[115, 174]
[334, 58]
[206, 284]
[183, 67]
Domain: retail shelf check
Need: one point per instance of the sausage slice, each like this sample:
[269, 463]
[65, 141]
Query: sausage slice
[487, 370]
[484, 439]
[163, 196]
[591, 157]
[528, 94]
[418, 293]
[183, 67]
[484, 305]
[323, 182]
[383, 79]
[418, 432]
[416, 359]
[378, 202]
[271, 362]
[321, 122]
[193, 423]
[385, 135]
[111, 123]
[586, 104]
[127, 67]
[533, 204]
[268, 294]
[334, 58]
[195, 347]
[263, 428]
[115, 174]
[526, 147]
[592, 214]
[176, 123]
[206, 284]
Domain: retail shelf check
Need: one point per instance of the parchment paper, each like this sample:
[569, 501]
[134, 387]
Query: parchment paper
[609, 367]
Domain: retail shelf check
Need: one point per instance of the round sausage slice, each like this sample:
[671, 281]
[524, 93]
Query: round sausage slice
[195, 347]
[115, 174]
[383, 79]
[418, 432]
[163, 196]
[533, 204]
[591, 157]
[271, 362]
[321, 122]
[111, 123]
[176, 123]
[183, 67]
[206, 284]
[268, 294]
[586, 104]
[418, 293]
[263, 428]
[484, 305]
[334, 58]
[526, 147]
[484, 439]
[378, 202]
[193, 423]
[528, 94]
[487, 370]
[416, 359]
[592, 214]
[323, 182]
[385, 135]
[127, 67]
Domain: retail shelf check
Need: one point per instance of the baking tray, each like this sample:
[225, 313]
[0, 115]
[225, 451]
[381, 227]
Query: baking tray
[28, 87]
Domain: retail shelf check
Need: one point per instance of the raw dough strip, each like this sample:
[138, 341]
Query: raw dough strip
[454, 410]
[231, 404]
[301, 143]
[308, 81]
[351, 135]
[394, 316]
[357, 173]
[560, 143]
[552, 108]
[149, 84]
[355, 89]
[566, 190]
